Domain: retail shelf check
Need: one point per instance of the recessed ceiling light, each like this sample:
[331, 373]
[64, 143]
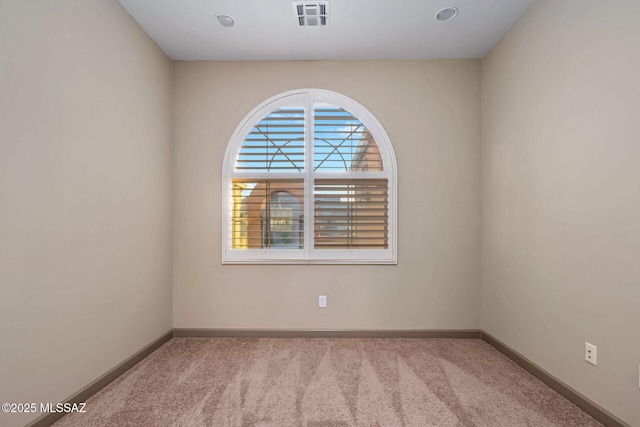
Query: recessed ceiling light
[226, 21]
[446, 14]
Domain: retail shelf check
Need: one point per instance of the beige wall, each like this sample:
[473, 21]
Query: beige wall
[85, 272]
[561, 194]
[430, 109]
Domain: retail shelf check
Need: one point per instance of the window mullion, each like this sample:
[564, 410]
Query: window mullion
[308, 179]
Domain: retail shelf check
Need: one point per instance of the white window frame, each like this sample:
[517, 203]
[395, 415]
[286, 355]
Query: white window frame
[309, 255]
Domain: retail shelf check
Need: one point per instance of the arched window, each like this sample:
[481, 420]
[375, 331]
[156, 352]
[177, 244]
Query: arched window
[309, 176]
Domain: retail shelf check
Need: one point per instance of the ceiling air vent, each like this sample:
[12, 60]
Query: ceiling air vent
[312, 13]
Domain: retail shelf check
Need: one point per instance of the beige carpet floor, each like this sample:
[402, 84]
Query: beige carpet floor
[327, 382]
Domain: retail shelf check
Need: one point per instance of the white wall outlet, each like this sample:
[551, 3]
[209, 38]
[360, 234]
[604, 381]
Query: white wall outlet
[322, 301]
[591, 353]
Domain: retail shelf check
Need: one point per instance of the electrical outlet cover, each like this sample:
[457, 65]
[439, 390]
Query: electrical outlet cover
[322, 301]
[591, 353]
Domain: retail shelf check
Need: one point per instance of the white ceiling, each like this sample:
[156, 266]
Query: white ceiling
[359, 29]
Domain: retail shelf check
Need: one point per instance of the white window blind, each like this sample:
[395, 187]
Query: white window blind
[342, 142]
[351, 214]
[275, 143]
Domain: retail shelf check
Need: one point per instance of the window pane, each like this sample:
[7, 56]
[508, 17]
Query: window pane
[342, 142]
[276, 143]
[267, 214]
[351, 214]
